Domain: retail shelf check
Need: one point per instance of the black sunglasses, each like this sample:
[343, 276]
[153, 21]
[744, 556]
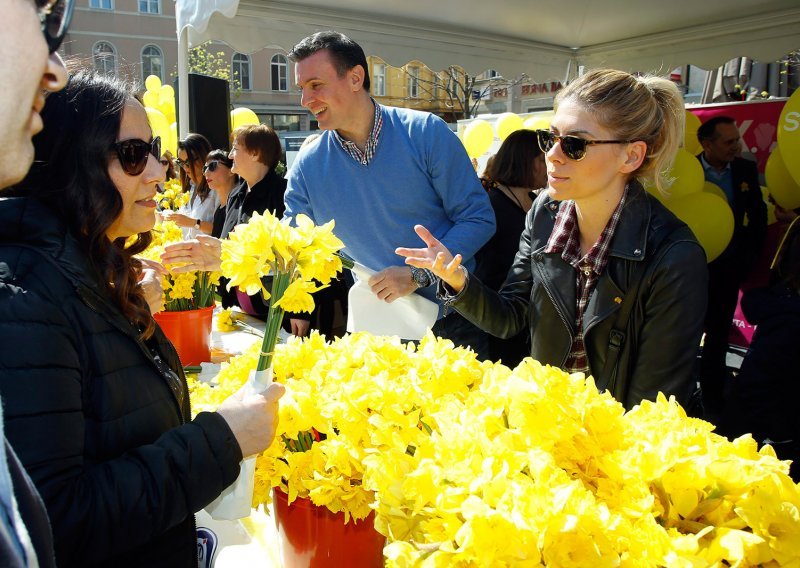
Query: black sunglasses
[574, 147]
[133, 154]
[212, 166]
[181, 163]
[55, 16]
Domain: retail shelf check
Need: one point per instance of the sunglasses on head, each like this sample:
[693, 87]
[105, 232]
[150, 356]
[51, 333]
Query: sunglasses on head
[55, 16]
[574, 147]
[133, 154]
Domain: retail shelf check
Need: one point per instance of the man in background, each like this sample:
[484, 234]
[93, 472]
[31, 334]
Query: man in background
[378, 170]
[738, 178]
[32, 31]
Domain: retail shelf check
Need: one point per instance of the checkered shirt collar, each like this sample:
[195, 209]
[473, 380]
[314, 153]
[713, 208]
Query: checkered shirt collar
[350, 147]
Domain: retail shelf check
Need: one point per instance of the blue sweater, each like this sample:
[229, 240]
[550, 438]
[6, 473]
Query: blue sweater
[420, 174]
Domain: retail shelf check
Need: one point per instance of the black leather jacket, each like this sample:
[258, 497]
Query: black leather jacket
[663, 331]
[99, 418]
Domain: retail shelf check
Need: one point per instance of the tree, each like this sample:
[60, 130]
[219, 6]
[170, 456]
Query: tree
[458, 90]
[212, 64]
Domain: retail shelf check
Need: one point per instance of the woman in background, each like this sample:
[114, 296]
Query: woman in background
[511, 179]
[222, 181]
[197, 216]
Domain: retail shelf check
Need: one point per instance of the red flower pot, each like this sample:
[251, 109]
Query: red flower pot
[312, 536]
[190, 333]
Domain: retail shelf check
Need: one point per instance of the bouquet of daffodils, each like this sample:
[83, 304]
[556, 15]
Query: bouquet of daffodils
[296, 257]
[182, 291]
[450, 453]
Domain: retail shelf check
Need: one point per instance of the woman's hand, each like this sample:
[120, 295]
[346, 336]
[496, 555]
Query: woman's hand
[437, 259]
[201, 253]
[150, 282]
[179, 219]
[253, 419]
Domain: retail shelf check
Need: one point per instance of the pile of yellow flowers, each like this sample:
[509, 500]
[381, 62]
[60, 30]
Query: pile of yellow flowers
[173, 197]
[474, 464]
[182, 291]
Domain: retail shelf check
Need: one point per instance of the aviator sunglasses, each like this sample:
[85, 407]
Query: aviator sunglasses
[54, 16]
[133, 154]
[574, 147]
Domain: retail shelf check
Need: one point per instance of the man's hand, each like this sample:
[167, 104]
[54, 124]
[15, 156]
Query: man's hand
[392, 283]
[300, 327]
[201, 253]
[435, 258]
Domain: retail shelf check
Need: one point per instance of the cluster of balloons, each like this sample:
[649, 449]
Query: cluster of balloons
[783, 166]
[700, 204]
[479, 134]
[159, 102]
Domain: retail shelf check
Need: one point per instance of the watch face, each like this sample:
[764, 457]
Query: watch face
[420, 277]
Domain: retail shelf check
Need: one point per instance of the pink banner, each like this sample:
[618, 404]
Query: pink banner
[757, 122]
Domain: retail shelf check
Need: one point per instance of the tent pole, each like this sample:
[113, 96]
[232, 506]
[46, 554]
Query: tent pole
[183, 83]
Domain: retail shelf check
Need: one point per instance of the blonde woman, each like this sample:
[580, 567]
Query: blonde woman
[609, 281]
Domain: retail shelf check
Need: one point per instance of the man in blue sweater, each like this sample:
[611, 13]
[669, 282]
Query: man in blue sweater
[377, 171]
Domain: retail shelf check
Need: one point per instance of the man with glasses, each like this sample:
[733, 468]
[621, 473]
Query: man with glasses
[32, 32]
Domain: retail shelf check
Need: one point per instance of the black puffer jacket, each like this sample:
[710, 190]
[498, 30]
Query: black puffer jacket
[99, 418]
[663, 332]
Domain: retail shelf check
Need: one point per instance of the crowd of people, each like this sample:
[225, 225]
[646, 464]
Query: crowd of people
[557, 253]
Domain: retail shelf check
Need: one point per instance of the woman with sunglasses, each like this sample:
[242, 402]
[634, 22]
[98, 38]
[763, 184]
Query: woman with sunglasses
[197, 216]
[609, 282]
[96, 403]
[220, 178]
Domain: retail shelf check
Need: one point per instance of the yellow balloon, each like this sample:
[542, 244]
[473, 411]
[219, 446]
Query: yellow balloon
[150, 99]
[714, 189]
[158, 122]
[709, 217]
[782, 186]
[478, 137]
[507, 123]
[789, 136]
[537, 123]
[690, 142]
[243, 116]
[172, 139]
[688, 175]
[152, 83]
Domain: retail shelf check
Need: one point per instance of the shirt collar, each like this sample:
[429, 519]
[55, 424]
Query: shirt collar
[372, 141]
[707, 166]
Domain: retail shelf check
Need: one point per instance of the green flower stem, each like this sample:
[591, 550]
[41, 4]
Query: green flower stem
[280, 282]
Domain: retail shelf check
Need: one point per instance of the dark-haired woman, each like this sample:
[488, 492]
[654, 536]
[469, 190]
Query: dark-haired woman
[197, 216]
[511, 179]
[96, 403]
[222, 181]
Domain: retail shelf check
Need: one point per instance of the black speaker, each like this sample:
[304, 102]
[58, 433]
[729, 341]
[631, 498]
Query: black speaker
[209, 109]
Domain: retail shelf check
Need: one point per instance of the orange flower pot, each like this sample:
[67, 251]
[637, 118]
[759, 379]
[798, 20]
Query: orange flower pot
[190, 333]
[313, 537]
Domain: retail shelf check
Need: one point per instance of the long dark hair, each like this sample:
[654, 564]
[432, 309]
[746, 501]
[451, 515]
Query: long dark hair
[513, 163]
[197, 148]
[70, 176]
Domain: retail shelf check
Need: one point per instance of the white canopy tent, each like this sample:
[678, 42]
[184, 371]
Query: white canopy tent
[547, 39]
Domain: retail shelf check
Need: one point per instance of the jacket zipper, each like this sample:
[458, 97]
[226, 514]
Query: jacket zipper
[560, 315]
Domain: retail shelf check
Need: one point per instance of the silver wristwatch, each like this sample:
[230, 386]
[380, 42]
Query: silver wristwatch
[422, 277]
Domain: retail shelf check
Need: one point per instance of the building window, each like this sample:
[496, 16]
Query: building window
[105, 57]
[152, 62]
[101, 4]
[379, 79]
[413, 82]
[280, 73]
[241, 70]
[149, 6]
[284, 122]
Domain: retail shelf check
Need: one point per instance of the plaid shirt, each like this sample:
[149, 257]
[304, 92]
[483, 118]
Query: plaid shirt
[350, 147]
[565, 238]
